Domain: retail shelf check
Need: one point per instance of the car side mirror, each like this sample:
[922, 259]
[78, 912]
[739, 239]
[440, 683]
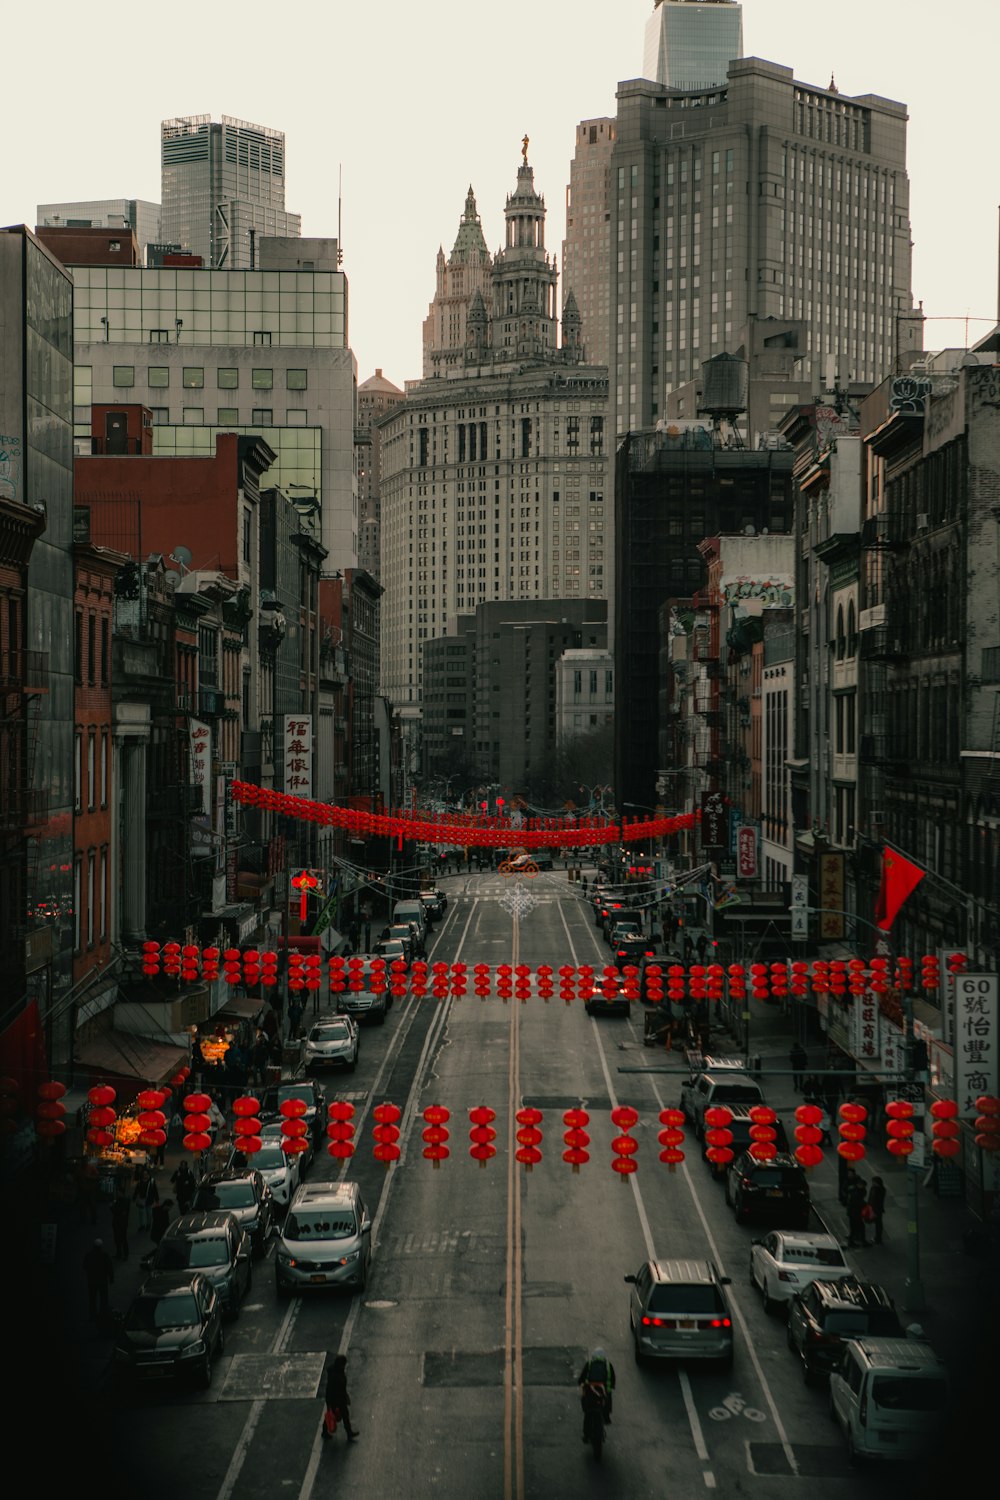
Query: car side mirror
[725, 1281]
[630, 1280]
[366, 1225]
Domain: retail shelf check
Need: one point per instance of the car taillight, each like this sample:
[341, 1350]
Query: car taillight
[649, 1322]
[747, 1182]
[721, 1323]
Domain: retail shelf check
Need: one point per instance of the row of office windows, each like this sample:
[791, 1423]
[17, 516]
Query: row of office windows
[193, 378]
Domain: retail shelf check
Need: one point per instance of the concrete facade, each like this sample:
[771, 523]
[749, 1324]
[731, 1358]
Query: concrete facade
[586, 250]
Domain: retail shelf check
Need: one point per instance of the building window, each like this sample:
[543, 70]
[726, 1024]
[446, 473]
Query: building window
[246, 535]
[77, 881]
[158, 377]
[262, 416]
[78, 646]
[262, 338]
[229, 379]
[228, 416]
[91, 863]
[159, 335]
[262, 380]
[193, 377]
[160, 415]
[91, 770]
[104, 768]
[104, 894]
[123, 375]
[194, 416]
[91, 648]
[105, 651]
[296, 417]
[78, 771]
[296, 380]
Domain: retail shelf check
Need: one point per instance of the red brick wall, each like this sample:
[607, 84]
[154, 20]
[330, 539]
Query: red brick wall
[93, 793]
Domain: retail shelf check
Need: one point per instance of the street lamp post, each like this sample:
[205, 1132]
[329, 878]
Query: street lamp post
[913, 1287]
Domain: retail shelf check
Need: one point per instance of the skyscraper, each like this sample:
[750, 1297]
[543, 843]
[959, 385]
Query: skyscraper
[689, 44]
[760, 197]
[493, 473]
[587, 246]
[223, 188]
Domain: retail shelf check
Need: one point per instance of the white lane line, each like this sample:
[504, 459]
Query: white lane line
[693, 1418]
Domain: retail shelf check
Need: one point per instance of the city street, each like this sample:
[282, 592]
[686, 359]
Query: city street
[489, 1284]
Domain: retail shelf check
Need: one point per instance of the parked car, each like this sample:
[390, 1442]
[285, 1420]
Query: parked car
[405, 933]
[889, 1397]
[618, 917]
[774, 1190]
[243, 1194]
[364, 1005]
[785, 1262]
[412, 910]
[214, 1244]
[311, 1095]
[325, 1241]
[172, 1328]
[727, 1086]
[823, 1315]
[434, 904]
[678, 1309]
[617, 1004]
[391, 949]
[332, 1043]
[652, 956]
[282, 1173]
[631, 949]
[623, 927]
[739, 1127]
[607, 906]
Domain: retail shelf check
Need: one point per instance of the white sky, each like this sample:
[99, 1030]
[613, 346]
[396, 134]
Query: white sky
[415, 101]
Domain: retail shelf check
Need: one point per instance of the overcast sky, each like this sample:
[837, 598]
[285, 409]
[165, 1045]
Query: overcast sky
[413, 101]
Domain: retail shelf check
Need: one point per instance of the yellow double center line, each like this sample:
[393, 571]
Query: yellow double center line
[513, 1382]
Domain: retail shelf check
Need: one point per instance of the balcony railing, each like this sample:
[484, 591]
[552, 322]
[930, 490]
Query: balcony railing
[27, 670]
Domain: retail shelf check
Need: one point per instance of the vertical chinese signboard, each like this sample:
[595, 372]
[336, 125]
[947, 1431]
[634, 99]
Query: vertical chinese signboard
[714, 821]
[298, 747]
[866, 1039]
[746, 852]
[200, 748]
[831, 895]
[976, 1049]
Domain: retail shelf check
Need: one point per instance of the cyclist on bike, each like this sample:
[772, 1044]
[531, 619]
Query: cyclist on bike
[597, 1382]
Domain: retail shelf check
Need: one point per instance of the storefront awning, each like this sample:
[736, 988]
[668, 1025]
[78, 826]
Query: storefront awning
[128, 1056]
[240, 1007]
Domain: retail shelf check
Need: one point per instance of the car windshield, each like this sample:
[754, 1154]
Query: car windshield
[682, 1300]
[269, 1159]
[226, 1195]
[319, 1226]
[147, 1314]
[336, 1032]
[897, 1393]
[854, 1323]
[183, 1255]
[296, 1092]
[811, 1255]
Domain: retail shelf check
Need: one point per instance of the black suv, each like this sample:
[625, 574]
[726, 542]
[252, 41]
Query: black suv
[246, 1196]
[739, 1126]
[174, 1327]
[312, 1096]
[214, 1244]
[631, 948]
[775, 1191]
[828, 1312]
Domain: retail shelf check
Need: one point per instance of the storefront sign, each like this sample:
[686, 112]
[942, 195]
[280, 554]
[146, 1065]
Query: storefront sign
[298, 748]
[200, 750]
[976, 1049]
[893, 1060]
[800, 906]
[831, 896]
[714, 821]
[865, 1027]
[746, 852]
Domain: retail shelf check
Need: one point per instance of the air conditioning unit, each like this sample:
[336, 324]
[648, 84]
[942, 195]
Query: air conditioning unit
[922, 520]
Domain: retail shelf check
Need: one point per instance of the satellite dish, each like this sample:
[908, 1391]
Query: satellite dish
[181, 555]
[172, 577]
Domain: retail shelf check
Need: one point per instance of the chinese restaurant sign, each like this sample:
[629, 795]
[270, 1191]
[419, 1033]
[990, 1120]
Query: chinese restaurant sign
[831, 895]
[975, 1039]
[298, 744]
[200, 747]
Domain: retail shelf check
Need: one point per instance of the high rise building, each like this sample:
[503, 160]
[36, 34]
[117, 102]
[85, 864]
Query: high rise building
[223, 189]
[587, 246]
[375, 396]
[494, 477]
[137, 214]
[689, 44]
[758, 197]
[466, 272]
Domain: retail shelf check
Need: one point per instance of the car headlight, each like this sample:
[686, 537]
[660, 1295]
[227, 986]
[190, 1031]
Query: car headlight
[191, 1350]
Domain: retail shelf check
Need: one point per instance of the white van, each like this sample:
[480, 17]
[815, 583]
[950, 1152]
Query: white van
[890, 1397]
[412, 911]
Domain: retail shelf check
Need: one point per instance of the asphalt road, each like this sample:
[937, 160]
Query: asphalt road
[489, 1284]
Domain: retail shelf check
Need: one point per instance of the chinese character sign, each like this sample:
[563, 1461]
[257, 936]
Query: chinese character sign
[746, 852]
[714, 821]
[200, 753]
[975, 1039]
[831, 895]
[298, 747]
[867, 1041]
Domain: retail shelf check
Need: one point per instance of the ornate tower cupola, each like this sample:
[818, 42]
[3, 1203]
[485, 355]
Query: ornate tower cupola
[476, 328]
[524, 276]
[464, 275]
[572, 325]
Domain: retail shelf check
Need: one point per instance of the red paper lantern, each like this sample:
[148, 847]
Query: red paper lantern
[247, 1125]
[899, 1109]
[103, 1094]
[246, 1106]
[292, 1109]
[944, 1109]
[718, 1116]
[808, 1135]
[809, 1153]
[51, 1091]
[624, 1116]
[100, 1138]
[152, 1119]
[102, 1116]
[197, 1141]
[250, 1144]
[808, 1115]
[851, 1151]
[197, 1124]
[196, 1103]
[153, 1138]
[763, 1150]
[946, 1130]
[294, 1130]
[849, 1132]
[946, 1148]
[294, 1145]
[988, 1104]
[854, 1114]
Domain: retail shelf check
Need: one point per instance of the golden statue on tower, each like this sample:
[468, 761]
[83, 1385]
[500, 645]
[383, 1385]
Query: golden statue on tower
[524, 150]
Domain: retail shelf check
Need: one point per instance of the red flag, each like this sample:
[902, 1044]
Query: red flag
[900, 879]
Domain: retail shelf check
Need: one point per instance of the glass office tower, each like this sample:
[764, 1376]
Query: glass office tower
[690, 43]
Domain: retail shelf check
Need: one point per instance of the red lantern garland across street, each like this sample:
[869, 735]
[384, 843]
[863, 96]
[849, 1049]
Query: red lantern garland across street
[625, 1145]
[435, 1134]
[386, 1133]
[482, 1133]
[576, 1138]
[340, 1130]
[671, 1138]
[718, 1136]
[529, 1137]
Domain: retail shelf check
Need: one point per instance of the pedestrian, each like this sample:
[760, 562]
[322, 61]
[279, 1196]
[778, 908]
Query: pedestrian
[100, 1273]
[119, 1222]
[184, 1186]
[160, 1218]
[269, 1025]
[856, 1237]
[338, 1402]
[798, 1058]
[845, 1176]
[294, 1016]
[824, 1124]
[88, 1187]
[146, 1194]
[217, 1120]
[876, 1202]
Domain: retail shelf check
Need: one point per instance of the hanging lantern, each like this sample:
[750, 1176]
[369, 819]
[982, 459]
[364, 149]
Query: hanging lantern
[294, 1145]
[247, 1125]
[946, 1130]
[386, 1133]
[101, 1139]
[152, 1139]
[196, 1103]
[851, 1151]
[808, 1154]
[51, 1091]
[102, 1094]
[529, 1137]
[763, 1150]
[246, 1106]
[854, 1114]
[576, 1138]
[944, 1109]
[946, 1148]
[102, 1116]
[435, 1135]
[152, 1119]
[482, 1134]
[197, 1124]
[197, 1141]
[292, 1109]
[899, 1109]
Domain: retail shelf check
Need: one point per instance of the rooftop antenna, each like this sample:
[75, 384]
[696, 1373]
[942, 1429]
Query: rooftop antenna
[340, 208]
